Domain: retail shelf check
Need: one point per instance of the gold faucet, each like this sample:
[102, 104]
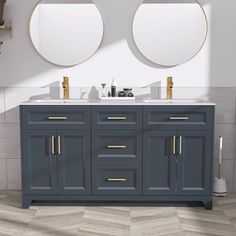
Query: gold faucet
[169, 91]
[65, 85]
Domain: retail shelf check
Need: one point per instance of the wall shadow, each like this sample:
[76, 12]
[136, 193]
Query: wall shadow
[118, 19]
[223, 43]
[19, 61]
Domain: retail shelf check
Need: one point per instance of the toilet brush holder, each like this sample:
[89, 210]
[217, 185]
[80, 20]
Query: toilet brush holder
[219, 185]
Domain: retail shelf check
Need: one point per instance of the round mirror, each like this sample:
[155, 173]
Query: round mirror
[66, 32]
[171, 32]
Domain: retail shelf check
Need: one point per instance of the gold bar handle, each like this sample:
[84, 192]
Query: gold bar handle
[116, 146]
[116, 179]
[53, 145]
[116, 118]
[59, 144]
[180, 144]
[57, 118]
[178, 118]
[173, 145]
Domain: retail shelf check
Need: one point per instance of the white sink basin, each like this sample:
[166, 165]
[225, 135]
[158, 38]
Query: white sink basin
[170, 101]
[59, 101]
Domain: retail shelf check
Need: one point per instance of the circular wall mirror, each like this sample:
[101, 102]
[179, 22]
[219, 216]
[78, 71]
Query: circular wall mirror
[66, 32]
[170, 32]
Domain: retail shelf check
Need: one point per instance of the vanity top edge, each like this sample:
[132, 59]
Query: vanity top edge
[136, 103]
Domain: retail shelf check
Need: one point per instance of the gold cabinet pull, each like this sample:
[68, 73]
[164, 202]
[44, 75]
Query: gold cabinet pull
[59, 144]
[173, 145]
[116, 146]
[178, 118]
[116, 118]
[116, 179]
[53, 145]
[57, 118]
[180, 144]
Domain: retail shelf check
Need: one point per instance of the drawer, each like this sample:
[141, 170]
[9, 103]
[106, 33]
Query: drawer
[116, 179]
[55, 117]
[117, 117]
[199, 117]
[117, 145]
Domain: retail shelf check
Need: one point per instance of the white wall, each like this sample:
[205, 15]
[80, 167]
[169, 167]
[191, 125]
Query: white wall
[20, 65]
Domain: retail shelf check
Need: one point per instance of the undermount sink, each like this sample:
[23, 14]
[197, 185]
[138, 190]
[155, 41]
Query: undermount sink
[170, 101]
[59, 101]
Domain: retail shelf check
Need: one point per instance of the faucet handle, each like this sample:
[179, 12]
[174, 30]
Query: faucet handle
[170, 79]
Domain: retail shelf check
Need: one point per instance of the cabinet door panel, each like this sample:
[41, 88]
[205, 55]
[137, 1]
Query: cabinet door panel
[159, 164]
[194, 164]
[39, 166]
[74, 162]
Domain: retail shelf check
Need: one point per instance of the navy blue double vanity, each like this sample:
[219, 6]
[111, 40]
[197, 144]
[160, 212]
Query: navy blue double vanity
[102, 152]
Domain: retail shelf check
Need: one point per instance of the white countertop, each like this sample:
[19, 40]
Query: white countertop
[177, 102]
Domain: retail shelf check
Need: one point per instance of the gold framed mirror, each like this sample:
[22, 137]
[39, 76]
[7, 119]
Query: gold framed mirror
[170, 32]
[66, 32]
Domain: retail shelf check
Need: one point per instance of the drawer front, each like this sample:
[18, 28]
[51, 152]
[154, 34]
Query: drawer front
[116, 179]
[117, 117]
[199, 117]
[55, 117]
[116, 145]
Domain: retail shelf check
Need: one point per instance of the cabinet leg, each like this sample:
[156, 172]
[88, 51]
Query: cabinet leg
[208, 204]
[26, 203]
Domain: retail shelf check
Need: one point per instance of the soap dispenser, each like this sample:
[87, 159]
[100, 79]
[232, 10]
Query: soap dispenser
[113, 87]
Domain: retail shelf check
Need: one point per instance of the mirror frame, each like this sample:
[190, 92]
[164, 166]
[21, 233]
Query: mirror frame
[169, 66]
[65, 66]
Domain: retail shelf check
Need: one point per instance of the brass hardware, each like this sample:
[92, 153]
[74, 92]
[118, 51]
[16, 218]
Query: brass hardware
[179, 118]
[169, 90]
[173, 145]
[59, 144]
[116, 179]
[116, 118]
[53, 145]
[116, 146]
[65, 85]
[180, 144]
[57, 118]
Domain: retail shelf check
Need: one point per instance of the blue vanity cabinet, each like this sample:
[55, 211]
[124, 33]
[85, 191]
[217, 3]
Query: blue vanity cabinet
[140, 153]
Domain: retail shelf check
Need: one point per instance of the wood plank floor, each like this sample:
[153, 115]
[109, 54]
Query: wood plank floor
[115, 220]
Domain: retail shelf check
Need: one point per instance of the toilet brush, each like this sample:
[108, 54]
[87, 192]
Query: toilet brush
[219, 186]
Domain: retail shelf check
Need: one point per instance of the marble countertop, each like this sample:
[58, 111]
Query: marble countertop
[149, 102]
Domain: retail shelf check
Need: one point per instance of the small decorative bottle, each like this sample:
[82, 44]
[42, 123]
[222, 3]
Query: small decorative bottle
[113, 87]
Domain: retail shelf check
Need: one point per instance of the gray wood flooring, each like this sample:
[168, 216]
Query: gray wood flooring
[115, 220]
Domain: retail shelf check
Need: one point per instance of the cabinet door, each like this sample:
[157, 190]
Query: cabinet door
[159, 163]
[194, 162]
[74, 162]
[39, 165]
